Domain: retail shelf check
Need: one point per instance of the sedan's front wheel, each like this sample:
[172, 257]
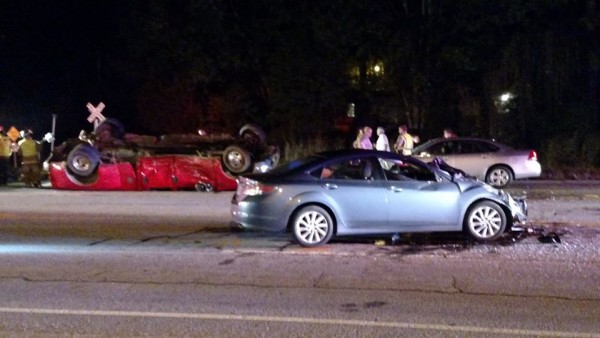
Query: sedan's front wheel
[312, 226]
[485, 221]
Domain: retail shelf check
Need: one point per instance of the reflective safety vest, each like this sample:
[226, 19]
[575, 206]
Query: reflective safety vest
[5, 146]
[408, 144]
[29, 150]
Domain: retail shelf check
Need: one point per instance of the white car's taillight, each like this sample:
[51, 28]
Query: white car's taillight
[248, 187]
[532, 155]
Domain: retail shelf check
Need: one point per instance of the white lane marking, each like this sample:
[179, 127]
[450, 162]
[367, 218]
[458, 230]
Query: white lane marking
[302, 320]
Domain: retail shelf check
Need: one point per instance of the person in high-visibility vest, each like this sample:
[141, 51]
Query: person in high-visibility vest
[5, 153]
[29, 149]
[405, 142]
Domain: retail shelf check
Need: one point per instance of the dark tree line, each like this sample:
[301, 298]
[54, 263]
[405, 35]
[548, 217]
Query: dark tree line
[295, 66]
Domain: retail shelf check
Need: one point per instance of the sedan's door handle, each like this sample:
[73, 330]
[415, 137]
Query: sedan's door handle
[330, 186]
[395, 189]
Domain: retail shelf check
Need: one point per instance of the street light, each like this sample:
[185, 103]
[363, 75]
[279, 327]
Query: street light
[504, 98]
[504, 102]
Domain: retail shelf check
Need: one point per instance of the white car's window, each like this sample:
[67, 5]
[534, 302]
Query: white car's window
[444, 148]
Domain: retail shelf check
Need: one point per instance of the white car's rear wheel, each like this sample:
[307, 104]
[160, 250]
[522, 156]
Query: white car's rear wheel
[312, 226]
[499, 176]
[485, 221]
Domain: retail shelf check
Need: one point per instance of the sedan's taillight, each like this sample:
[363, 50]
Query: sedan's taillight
[532, 155]
[248, 187]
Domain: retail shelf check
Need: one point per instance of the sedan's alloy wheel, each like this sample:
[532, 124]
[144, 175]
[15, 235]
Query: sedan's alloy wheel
[312, 226]
[499, 177]
[486, 221]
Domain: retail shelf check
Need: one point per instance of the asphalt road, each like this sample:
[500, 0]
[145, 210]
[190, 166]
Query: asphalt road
[121, 264]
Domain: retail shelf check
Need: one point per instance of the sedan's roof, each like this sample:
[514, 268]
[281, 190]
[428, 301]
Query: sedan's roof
[462, 139]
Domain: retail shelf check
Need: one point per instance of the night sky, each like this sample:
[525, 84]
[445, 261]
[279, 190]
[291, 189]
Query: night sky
[444, 65]
[50, 57]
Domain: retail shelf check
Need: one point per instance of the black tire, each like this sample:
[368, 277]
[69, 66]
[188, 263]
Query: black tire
[499, 176]
[237, 159]
[113, 126]
[485, 221]
[253, 135]
[312, 226]
[83, 160]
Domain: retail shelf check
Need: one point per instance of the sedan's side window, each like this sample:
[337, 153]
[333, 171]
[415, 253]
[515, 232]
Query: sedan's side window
[357, 169]
[407, 171]
[485, 147]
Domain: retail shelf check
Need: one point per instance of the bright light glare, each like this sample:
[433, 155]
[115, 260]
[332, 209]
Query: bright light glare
[505, 97]
[28, 248]
[377, 69]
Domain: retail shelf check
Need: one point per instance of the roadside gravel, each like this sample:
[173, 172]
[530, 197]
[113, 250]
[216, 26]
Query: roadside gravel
[574, 203]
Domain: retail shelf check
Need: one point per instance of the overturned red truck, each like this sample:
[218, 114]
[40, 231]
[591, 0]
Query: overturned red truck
[110, 159]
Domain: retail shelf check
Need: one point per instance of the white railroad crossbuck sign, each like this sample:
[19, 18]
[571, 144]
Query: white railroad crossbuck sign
[95, 112]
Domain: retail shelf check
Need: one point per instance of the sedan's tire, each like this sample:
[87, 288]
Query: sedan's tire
[499, 176]
[237, 159]
[83, 160]
[485, 221]
[312, 226]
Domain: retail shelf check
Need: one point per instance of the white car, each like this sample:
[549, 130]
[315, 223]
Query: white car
[488, 160]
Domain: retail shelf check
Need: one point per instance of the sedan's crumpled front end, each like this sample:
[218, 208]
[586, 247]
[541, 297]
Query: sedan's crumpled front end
[518, 209]
[518, 206]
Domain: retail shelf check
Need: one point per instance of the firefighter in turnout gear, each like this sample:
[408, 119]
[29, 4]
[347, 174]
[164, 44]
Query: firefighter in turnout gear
[29, 149]
[5, 153]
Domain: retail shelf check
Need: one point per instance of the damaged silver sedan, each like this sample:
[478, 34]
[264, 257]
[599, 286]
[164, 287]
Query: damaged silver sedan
[362, 192]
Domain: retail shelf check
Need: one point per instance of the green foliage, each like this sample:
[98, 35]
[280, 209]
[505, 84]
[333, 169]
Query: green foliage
[297, 149]
[590, 150]
[287, 66]
[572, 151]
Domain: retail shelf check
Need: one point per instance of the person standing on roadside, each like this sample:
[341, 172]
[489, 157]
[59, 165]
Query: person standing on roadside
[382, 144]
[405, 142]
[365, 142]
[29, 149]
[359, 136]
[5, 153]
[449, 133]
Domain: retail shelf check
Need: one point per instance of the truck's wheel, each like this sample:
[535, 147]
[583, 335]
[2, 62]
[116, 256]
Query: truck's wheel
[237, 159]
[253, 135]
[113, 126]
[83, 160]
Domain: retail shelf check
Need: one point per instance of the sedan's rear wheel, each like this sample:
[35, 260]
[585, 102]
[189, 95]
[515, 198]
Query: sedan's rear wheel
[499, 176]
[312, 226]
[485, 221]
